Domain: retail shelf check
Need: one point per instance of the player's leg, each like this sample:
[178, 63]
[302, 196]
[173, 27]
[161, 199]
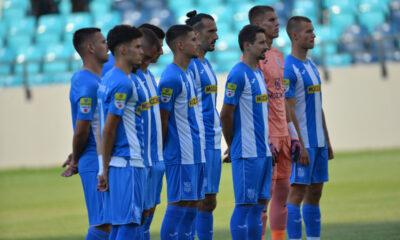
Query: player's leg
[94, 204]
[128, 231]
[204, 220]
[280, 189]
[263, 186]
[310, 208]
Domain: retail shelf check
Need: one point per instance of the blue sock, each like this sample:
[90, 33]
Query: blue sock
[204, 226]
[128, 231]
[114, 232]
[194, 224]
[294, 222]
[312, 219]
[239, 222]
[254, 222]
[172, 219]
[185, 228]
[140, 232]
[96, 234]
[147, 223]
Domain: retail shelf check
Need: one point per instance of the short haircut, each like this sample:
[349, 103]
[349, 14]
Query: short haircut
[81, 36]
[176, 31]
[258, 12]
[294, 24]
[121, 34]
[249, 34]
[158, 31]
[195, 20]
[149, 38]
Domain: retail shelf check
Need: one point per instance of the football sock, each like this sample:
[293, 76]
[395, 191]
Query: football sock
[294, 221]
[254, 222]
[147, 223]
[312, 220]
[239, 222]
[278, 211]
[114, 232]
[204, 222]
[185, 228]
[96, 234]
[278, 234]
[128, 231]
[140, 231]
[172, 219]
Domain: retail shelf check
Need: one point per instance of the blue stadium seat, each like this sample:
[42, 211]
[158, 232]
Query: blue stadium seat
[393, 56]
[341, 21]
[65, 7]
[226, 41]
[340, 6]
[25, 25]
[74, 21]
[283, 40]
[50, 23]
[306, 8]
[18, 41]
[12, 80]
[107, 21]
[3, 29]
[365, 6]
[30, 56]
[225, 60]
[335, 60]
[365, 57]
[61, 77]
[57, 59]
[39, 79]
[371, 19]
[47, 39]
[206, 6]
[353, 39]
[99, 8]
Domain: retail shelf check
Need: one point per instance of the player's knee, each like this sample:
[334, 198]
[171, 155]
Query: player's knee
[313, 196]
[296, 194]
[208, 204]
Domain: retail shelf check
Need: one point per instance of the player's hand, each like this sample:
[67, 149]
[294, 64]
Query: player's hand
[295, 149]
[72, 167]
[102, 182]
[304, 157]
[275, 154]
[227, 158]
[330, 151]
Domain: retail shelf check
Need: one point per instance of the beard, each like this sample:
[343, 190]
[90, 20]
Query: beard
[135, 67]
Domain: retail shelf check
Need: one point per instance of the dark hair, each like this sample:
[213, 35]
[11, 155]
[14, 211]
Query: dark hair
[248, 34]
[158, 31]
[293, 24]
[257, 12]
[194, 19]
[149, 38]
[121, 34]
[176, 31]
[81, 36]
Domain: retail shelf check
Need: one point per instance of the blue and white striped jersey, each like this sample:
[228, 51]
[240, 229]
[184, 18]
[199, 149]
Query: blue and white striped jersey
[155, 139]
[83, 99]
[119, 95]
[207, 87]
[304, 84]
[246, 89]
[183, 143]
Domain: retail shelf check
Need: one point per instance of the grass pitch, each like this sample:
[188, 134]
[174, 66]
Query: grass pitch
[361, 201]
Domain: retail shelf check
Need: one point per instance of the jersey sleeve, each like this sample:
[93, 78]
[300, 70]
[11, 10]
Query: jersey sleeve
[119, 95]
[86, 102]
[233, 88]
[168, 89]
[289, 82]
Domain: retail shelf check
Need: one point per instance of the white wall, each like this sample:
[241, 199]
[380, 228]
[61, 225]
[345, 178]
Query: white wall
[360, 107]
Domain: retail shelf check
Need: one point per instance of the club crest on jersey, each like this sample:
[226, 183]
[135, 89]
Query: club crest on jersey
[85, 105]
[119, 100]
[193, 102]
[166, 94]
[231, 89]
[210, 89]
[286, 85]
[313, 89]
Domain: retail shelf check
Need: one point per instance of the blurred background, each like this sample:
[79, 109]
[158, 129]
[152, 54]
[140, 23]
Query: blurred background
[357, 50]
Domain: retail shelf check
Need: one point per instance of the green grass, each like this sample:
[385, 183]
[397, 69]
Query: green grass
[361, 201]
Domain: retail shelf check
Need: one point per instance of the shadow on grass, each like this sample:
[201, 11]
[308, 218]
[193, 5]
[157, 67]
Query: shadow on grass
[334, 231]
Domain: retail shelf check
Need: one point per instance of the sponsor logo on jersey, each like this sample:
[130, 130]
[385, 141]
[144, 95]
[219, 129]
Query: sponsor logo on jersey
[262, 98]
[210, 89]
[231, 89]
[286, 84]
[313, 89]
[143, 107]
[166, 94]
[154, 101]
[119, 100]
[193, 102]
[85, 105]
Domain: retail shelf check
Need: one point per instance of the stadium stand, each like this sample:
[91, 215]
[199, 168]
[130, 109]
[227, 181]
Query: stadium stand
[40, 51]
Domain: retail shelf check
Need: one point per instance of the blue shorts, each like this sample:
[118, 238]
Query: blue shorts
[93, 198]
[154, 182]
[316, 172]
[125, 196]
[212, 174]
[251, 179]
[184, 182]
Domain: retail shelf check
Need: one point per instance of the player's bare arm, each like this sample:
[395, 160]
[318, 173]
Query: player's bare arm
[79, 140]
[164, 123]
[304, 158]
[328, 141]
[106, 146]
[227, 126]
